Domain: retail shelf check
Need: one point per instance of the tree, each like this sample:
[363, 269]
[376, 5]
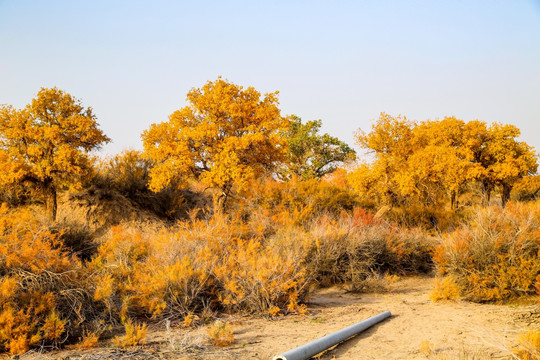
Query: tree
[506, 160]
[424, 161]
[528, 188]
[225, 137]
[391, 144]
[46, 144]
[444, 156]
[311, 155]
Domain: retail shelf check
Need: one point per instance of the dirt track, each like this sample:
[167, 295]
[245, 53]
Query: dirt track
[451, 330]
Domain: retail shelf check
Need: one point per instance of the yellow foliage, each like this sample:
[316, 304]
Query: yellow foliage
[497, 257]
[45, 144]
[105, 287]
[196, 266]
[135, 335]
[296, 201]
[189, 319]
[444, 289]
[35, 268]
[221, 333]
[528, 188]
[8, 286]
[430, 161]
[53, 328]
[529, 345]
[25, 244]
[89, 340]
[225, 137]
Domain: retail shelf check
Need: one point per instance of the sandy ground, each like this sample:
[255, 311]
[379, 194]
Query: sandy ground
[418, 329]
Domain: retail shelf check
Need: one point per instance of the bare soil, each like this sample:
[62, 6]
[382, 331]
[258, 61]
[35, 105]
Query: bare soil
[418, 329]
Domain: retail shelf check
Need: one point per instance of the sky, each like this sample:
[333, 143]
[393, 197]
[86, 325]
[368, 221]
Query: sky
[343, 62]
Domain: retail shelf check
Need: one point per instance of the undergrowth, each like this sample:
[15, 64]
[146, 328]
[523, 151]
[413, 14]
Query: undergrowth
[496, 257]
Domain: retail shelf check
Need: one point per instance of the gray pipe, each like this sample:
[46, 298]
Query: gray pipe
[310, 349]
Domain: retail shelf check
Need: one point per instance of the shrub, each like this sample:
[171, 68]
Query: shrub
[135, 335]
[434, 218]
[198, 266]
[297, 200]
[355, 248]
[444, 289]
[127, 175]
[221, 334]
[496, 257]
[41, 297]
[89, 340]
[529, 345]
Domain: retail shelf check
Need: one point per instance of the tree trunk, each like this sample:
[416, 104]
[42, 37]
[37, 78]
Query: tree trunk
[505, 196]
[486, 192]
[220, 201]
[52, 205]
[453, 200]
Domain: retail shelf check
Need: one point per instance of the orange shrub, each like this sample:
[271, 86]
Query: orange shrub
[135, 335]
[496, 257]
[37, 284]
[297, 200]
[197, 266]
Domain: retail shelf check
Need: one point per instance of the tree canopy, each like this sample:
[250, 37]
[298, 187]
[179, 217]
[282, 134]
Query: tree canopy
[431, 160]
[225, 137]
[310, 154]
[45, 144]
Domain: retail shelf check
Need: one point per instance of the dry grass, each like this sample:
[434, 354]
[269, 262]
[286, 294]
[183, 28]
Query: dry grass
[496, 257]
[358, 249]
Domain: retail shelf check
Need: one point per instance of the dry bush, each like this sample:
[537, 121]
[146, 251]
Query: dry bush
[221, 333]
[89, 340]
[358, 248]
[42, 291]
[496, 257]
[435, 218]
[126, 175]
[199, 266]
[297, 200]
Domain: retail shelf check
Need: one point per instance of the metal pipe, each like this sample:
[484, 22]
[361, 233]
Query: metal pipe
[310, 349]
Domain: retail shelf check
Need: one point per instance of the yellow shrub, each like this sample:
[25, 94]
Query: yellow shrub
[89, 340]
[219, 264]
[497, 257]
[53, 328]
[444, 289]
[37, 278]
[135, 335]
[297, 201]
[529, 345]
[221, 334]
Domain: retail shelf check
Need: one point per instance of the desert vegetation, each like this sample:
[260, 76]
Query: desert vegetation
[235, 208]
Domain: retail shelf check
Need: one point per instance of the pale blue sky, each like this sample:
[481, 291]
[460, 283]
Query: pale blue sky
[340, 61]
